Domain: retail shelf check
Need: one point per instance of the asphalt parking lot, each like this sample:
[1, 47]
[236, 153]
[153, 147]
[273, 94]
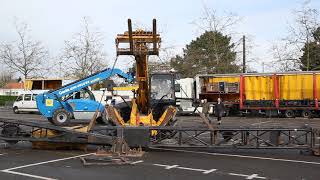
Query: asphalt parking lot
[21, 162]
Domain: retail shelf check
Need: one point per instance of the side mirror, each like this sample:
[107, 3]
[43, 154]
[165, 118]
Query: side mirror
[177, 76]
[177, 88]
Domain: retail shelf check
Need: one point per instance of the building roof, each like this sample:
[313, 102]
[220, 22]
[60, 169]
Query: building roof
[48, 79]
[14, 85]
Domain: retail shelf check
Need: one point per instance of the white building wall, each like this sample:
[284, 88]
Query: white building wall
[11, 92]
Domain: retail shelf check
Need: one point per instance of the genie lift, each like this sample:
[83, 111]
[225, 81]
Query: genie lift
[75, 100]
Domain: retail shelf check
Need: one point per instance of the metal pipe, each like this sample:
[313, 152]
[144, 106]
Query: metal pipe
[154, 33]
[130, 35]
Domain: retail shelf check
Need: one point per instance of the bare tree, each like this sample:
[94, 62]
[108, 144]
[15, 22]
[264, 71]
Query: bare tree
[25, 56]
[5, 77]
[83, 55]
[210, 21]
[288, 50]
[286, 58]
[224, 23]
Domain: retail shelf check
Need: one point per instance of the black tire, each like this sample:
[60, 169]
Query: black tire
[50, 120]
[11, 131]
[103, 119]
[306, 114]
[289, 114]
[61, 117]
[16, 110]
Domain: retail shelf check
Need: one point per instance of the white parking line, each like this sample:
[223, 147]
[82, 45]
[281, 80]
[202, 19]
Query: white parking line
[252, 176]
[10, 170]
[209, 171]
[191, 169]
[170, 167]
[242, 156]
[46, 162]
[136, 162]
[160, 165]
[236, 174]
[27, 175]
[179, 167]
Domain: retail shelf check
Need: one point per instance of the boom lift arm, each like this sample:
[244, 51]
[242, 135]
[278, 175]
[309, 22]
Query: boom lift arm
[90, 80]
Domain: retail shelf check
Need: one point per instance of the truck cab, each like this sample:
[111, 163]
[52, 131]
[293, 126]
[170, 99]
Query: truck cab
[162, 92]
[161, 95]
[83, 104]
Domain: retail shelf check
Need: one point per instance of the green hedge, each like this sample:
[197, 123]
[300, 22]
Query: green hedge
[4, 99]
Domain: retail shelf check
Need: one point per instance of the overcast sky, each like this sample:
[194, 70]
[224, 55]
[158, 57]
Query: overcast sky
[53, 21]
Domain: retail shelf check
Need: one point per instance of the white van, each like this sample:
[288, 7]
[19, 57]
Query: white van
[26, 102]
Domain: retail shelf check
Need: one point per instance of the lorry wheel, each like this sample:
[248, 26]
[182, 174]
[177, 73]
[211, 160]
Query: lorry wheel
[289, 114]
[61, 117]
[16, 110]
[306, 113]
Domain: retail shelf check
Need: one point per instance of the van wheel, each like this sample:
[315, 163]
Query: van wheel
[306, 114]
[61, 117]
[289, 114]
[16, 110]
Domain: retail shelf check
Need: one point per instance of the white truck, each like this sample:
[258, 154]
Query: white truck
[187, 96]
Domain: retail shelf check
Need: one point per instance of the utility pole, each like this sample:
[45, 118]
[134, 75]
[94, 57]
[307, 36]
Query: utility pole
[244, 54]
[308, 53]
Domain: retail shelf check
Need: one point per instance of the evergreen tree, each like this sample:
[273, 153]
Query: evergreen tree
[212, 52]
[311, 53]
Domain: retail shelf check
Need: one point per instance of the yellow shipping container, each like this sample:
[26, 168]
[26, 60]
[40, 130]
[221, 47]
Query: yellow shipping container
[292, 86]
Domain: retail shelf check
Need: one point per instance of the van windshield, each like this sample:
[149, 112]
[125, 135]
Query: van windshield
[19, 98]
[162, 86]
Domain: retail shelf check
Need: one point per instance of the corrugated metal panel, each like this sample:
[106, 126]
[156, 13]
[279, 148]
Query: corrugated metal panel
[259, 88]
[296, 87]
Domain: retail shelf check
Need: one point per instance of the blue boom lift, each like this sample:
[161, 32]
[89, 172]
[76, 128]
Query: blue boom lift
[75, 100]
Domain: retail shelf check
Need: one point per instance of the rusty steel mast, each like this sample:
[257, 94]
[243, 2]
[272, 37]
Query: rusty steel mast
[141, 45]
